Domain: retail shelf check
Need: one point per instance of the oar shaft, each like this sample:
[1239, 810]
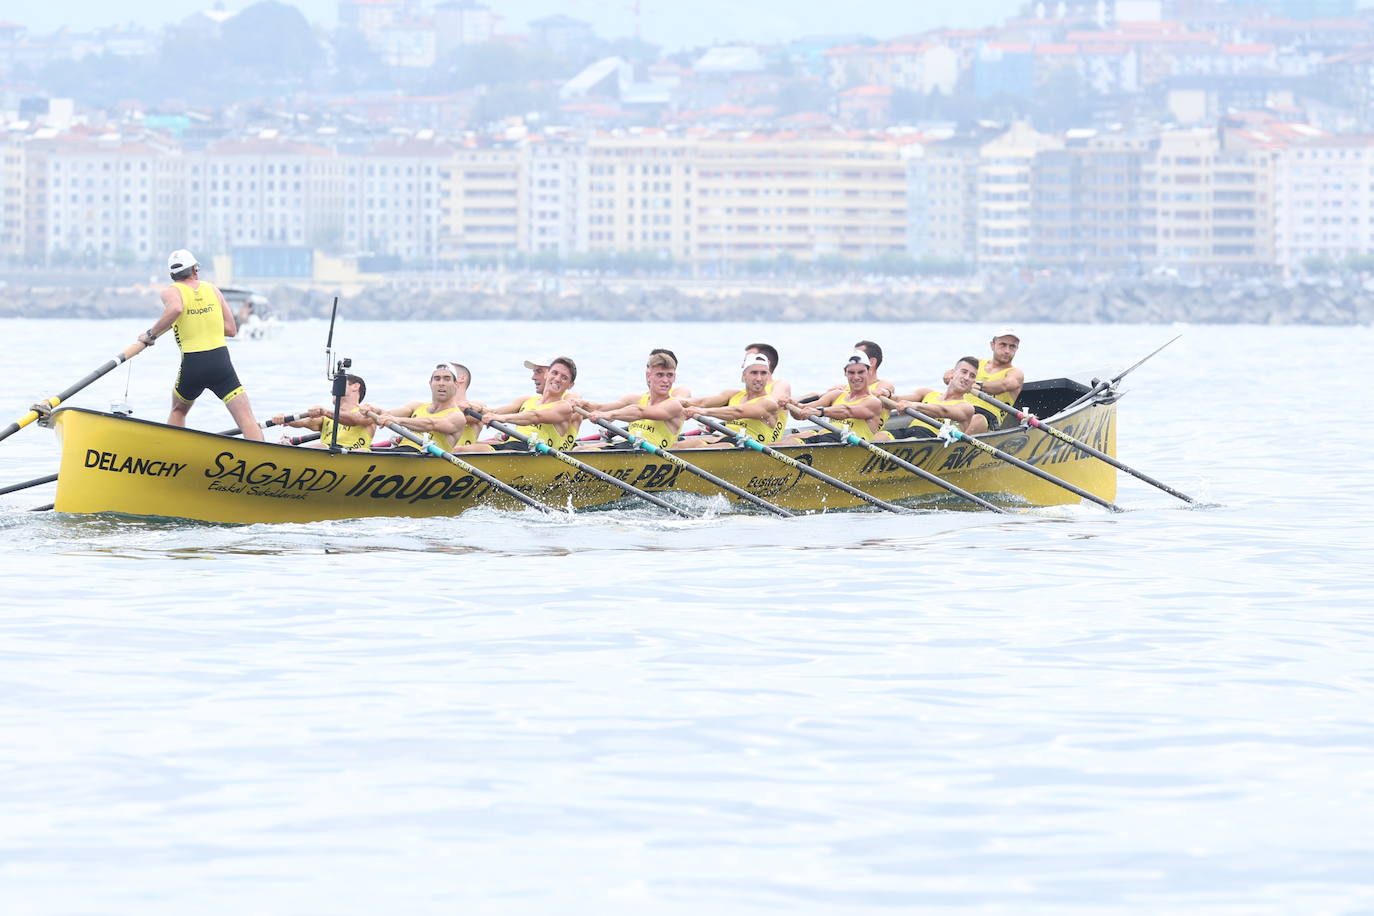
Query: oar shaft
[678, 461]
[849, 437]
[545, 449]
[37, 481]
[470, 468]
[268, 425]
[1017, 462]
[127, 353]
[1103, 386]
[749, 442]
[1031, 419]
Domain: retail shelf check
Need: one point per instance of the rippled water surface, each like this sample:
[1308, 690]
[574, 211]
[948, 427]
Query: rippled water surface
[1164, 710]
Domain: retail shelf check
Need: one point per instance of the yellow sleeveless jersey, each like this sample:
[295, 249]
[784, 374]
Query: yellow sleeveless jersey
[864, 429]
[443, 440]
[1005, 397]
[200, 326]
[935, 397]
[353, 438]
[547, 432]
[780, 425]
[759, 429]
[659, 433]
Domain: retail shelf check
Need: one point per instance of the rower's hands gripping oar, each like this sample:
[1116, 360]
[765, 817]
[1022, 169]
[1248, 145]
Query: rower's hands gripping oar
[677, 460]
[544, 448]
[747, 441]
[949, 432]
[43, 408]
[849, 437]
[1031, 419]
[427, 446]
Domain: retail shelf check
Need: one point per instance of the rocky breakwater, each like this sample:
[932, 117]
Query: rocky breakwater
[1345, 301]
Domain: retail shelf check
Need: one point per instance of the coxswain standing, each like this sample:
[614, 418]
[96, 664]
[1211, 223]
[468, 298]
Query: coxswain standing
[196, 313]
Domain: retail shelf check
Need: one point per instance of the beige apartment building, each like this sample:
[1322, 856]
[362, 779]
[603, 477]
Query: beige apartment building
[1324, 200]
[553, 175]
[807, 197]
[1208, 207]
[637, 192]
[13, 200]
[481, 206]
[395, 200]
[1004, 194]
[947, 210]
[1086, 208]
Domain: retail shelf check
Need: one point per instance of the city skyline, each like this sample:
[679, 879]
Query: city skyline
[670, 25]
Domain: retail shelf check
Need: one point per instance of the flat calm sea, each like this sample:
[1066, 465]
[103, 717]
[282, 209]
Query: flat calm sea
[1167, 710]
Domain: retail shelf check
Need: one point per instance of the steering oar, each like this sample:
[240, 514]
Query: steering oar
[128, 353]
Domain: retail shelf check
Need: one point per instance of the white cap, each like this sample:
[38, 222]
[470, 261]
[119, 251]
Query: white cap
[858, 358]
[534, 365]
[1007, 331]
[755, 359]
[179, 260]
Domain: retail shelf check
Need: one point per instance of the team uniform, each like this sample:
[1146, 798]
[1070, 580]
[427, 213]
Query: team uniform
[443, 440]
[864, 429]
[199, 331]
[351, 438]
[993, 415]
[761, 430]
[658, 433]
[544, 432]
[925, 429]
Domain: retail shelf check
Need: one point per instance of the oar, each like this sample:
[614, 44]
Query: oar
[1103, 386]
[852, 439]
[949, 431]
[1031, 419]
[545, 449]
[747, 441]
[37, 481]
[236, 431]
[676, 460]
[129, 352]
[453, 459]
[302, 439]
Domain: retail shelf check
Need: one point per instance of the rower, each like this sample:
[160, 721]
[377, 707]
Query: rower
[355, 427]
[998, 377]
[550, 416]
[751, 409]
[778, 389]
[950, 404]
[875, 359]
[441, 418]
[854, 407]
[656, 415]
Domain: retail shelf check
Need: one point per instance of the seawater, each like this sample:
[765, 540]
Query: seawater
[1164, 710]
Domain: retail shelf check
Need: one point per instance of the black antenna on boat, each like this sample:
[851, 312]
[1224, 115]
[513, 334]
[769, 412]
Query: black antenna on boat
[329, 342]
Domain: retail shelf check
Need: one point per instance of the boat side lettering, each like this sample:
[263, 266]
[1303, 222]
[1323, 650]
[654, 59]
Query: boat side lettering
[269, 474]
[146, 467]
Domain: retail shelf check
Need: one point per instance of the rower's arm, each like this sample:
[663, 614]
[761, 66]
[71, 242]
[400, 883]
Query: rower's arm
[806, 411]
[960, 411]
[867, 409]
[171, 311]
[782, 391]
[609, 405]
[914, 396]
[558, 413]
[506, 408]
[712, 400]
[667, 409]
[762, 409]
[1012, 381]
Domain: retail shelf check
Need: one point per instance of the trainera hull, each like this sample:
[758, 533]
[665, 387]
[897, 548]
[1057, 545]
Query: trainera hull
[118, 464]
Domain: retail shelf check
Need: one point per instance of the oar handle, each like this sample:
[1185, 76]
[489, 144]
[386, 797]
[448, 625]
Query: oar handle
[748, 441]
[686, 465]
[289, 418]
[849, 437]
[544, 448]
[457, 462]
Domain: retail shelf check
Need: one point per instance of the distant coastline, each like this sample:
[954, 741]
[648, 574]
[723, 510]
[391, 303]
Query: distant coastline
[1346, 301]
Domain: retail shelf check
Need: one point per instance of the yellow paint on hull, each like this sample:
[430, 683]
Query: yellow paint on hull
[137, 467]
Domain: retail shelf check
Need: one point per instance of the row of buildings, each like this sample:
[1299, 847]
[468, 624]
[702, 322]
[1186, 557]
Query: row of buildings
[1253, 195]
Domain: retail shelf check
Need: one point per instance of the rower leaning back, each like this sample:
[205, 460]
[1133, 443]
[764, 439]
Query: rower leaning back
[197, 315]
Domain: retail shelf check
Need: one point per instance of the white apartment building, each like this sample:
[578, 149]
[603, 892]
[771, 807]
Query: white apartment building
[483, 202]
[1004, 194]
[637, 191]
[13, 199]
[394, 199]
[1324, 200]
[553, 173]
[107, 196]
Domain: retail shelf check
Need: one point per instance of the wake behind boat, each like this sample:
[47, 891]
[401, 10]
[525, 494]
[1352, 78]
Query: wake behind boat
[115, 463]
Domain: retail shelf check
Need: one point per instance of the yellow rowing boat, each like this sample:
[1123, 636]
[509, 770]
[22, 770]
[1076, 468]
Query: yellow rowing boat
[115, 463]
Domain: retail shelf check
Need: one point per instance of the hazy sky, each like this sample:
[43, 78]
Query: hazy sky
[671, 23]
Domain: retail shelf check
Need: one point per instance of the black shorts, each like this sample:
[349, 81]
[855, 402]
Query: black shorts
[821, 439]
[914, 431]
[207, 369]
[510, 445]
[989, 416]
